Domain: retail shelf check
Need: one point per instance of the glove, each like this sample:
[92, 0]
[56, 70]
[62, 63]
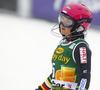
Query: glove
[39, 88]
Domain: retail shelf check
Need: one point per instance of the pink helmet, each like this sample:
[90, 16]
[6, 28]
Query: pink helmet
[80, 13]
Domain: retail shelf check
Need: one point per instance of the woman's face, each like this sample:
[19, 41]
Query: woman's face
[65, 31]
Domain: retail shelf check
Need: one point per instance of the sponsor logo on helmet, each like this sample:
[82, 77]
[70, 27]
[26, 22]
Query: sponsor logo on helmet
[68, 7]
[59, 50]
[64, 11]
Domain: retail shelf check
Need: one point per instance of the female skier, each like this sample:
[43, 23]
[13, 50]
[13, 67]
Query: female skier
[71, 60]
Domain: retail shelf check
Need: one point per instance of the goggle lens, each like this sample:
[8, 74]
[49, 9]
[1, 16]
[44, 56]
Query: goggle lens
[65, 20]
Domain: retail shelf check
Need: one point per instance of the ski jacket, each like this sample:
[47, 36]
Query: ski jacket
[71, 66]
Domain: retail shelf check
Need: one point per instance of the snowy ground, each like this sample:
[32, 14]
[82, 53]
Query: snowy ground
[26, 48]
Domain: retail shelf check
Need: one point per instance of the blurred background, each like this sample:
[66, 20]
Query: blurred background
[27, 45]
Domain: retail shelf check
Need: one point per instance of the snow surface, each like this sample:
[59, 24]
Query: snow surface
[26, 49]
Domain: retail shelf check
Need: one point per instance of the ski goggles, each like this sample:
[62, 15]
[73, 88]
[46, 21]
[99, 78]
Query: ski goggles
[66, 20]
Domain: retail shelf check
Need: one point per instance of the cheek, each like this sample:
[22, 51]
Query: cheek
[64, 32]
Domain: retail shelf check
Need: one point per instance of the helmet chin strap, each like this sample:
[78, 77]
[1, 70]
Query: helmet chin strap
[79, 29]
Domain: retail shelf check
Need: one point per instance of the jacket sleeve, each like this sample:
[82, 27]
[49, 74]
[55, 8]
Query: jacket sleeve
[82, 55]
[47, 84]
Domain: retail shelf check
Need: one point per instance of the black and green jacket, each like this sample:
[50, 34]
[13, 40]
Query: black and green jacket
[71, 66]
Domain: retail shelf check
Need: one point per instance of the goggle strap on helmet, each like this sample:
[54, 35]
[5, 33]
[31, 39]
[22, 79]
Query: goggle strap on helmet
[84, 20]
